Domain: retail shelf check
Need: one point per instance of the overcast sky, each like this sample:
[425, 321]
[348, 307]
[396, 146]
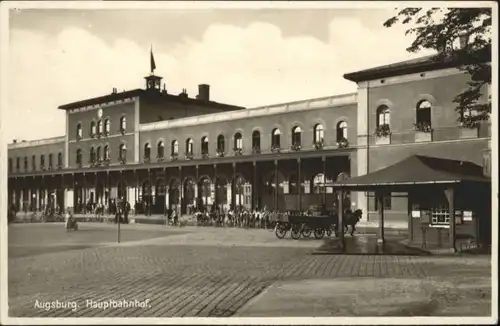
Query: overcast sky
[249, 57]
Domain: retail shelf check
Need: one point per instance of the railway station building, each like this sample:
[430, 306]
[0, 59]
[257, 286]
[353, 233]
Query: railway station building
[162, 151]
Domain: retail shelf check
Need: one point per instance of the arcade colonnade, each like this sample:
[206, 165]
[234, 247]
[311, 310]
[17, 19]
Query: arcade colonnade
[153, 190]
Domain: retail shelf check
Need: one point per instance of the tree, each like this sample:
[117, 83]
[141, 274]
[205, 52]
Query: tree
[461, 36]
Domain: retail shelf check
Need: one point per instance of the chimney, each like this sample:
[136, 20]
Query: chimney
[203, 92]
[14, 141]
[115, 90]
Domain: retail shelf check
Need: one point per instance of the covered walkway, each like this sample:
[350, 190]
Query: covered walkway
[448, 200]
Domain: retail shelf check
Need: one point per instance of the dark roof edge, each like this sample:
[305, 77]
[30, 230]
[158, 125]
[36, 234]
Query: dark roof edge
[102, 99]
[429, 63]
[140, 92]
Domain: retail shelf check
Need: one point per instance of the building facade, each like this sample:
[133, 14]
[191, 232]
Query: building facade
[161, 151]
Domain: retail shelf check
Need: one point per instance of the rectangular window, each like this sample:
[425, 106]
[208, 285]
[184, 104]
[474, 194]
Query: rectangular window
[387, 203]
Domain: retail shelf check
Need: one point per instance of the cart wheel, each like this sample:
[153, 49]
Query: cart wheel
[295, 233]
[306, 231]
[319, 233]
[280, 231]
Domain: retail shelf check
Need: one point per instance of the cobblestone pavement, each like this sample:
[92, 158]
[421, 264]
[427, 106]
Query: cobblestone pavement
[215, 272]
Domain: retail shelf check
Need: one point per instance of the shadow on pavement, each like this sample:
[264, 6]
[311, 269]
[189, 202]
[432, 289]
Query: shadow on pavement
[367, 245]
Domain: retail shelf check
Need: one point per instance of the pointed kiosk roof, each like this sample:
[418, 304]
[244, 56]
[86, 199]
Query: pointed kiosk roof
[417, 169]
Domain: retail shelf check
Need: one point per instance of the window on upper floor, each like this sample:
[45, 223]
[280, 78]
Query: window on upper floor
[92, 155]
[275, 138]
[189, 146]
[160, 149]
[93, 130]
[341, 131]
[204, 145]
[51, 161]
[296, 137]
[123, 124]
[319, 133]
[106, 153]
[33, 163]
[99, 127]
[238, 141]
[175, 148]
[79, 131]
[221, 146]
[18, 164]
[256, 140]
[59, 159]
[383, 116]
[79, 157]
[42, 161]
[147, 151]
[122, 152]
[10, 164]
[107, 126]
[98, 154]
[25, 163]
[423, 118]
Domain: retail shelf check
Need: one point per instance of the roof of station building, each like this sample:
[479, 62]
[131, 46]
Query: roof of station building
[151, 94]
[417, 65]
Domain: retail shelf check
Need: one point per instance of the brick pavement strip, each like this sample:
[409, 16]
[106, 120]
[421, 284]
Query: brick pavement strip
[187, 280]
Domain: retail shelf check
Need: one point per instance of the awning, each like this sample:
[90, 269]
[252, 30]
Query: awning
[417, 169]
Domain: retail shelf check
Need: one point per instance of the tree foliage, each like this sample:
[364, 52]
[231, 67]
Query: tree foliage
[461, 36]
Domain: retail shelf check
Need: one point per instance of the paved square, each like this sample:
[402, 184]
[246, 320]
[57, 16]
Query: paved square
[224, 272]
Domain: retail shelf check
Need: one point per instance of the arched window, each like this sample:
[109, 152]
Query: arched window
[319, 133]
[424, 113]
[59, 159]
[383, 116]
[160, 148]
[296, 136]
[42, 161]
[78, 156]
[92, 129]
[221, 146]
[79, 131]
[256, 140]
[99, 127]
[147, 151]
[238, 141]
[92, 155]
[107, 126]
[275, 141]
[25, 163]
[123, 124]
[50, 160]
[33, 162]
[341, 131]
[319, 183]
[175, 147]
[98, 154]
[189, 146]
[18, 163]
[204, 145]
[106, 153]
[122, 152]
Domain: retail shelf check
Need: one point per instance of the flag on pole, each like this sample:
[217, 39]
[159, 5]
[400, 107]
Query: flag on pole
[153, 65]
